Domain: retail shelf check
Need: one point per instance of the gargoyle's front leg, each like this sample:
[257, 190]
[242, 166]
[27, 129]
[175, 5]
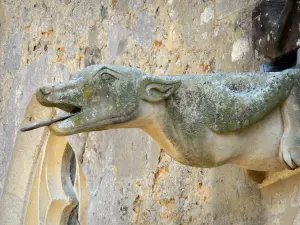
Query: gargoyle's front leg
[290, 142]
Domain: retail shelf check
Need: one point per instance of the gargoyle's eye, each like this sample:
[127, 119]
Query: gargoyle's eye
[107, 77]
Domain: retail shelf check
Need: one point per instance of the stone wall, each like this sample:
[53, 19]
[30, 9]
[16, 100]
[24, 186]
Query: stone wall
[130, 180]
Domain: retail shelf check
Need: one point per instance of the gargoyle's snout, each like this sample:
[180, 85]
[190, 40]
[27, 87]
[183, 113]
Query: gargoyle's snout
[67, 98]
[45, 97]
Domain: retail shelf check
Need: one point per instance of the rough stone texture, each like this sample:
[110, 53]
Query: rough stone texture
[23, 86]
[129, 180]
[226, 7]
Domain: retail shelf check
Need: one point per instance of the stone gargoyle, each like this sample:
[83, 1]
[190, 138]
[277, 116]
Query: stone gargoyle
[247, 119]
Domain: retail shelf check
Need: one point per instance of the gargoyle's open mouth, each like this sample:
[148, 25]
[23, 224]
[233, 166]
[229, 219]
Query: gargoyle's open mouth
[72, 111]
[75, 110]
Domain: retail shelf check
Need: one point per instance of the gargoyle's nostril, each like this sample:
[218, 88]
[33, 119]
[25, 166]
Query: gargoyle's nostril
[45, 91]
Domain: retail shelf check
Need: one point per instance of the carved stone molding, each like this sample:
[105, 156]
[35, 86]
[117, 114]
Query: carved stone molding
[58, 194]
[45, 183]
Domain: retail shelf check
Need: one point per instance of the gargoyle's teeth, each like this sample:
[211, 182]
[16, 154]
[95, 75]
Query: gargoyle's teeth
[47, 122]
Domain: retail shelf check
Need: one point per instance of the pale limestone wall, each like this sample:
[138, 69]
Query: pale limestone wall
[129, 179]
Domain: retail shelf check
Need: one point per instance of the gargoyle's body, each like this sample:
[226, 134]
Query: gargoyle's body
[247, 119]
[216, 119]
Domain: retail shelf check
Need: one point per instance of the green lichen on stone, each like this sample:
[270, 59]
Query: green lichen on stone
[87, 91]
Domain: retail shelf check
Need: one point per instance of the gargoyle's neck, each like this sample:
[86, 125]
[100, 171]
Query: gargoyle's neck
[151, 118]
[159, 136]
[156, 117]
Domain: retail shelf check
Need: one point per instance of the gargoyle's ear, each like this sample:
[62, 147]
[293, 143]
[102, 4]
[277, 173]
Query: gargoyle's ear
[155, 89]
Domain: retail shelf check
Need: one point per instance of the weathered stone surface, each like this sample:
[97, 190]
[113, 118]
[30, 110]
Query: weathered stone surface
[118, 38]
[12, 60]
[123, 163]
[143, 29]
[24, 84]
[233, 197]
[199, 120]
[226, 7]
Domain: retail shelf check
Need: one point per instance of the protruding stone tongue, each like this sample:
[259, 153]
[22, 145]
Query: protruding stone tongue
[46, 122]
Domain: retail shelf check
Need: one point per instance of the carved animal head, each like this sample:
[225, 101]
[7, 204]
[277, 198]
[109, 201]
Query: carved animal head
[104, 97]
